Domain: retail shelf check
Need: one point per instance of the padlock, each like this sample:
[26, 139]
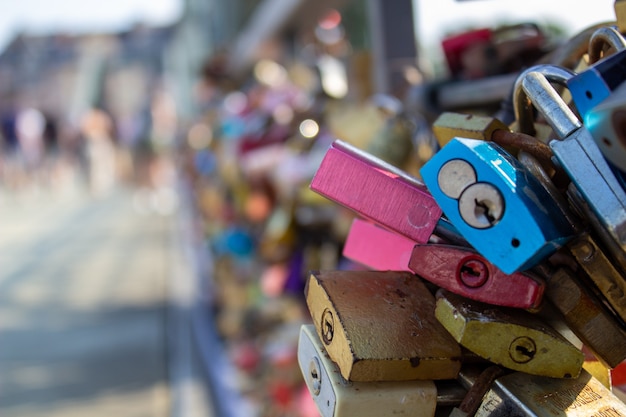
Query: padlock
[589, 87]
[337, 397]
[524, 395]
[377, 191]
[603, 38]
[377, 248]
[523, 106]
[467, 273]
[450, 125]
[458, 269]
[513, 338]
[392, 142]
[580, 157]
[380, 326]
[586, 316]
[607, 124]
[496, 204]
[607, 279]
[603, 239]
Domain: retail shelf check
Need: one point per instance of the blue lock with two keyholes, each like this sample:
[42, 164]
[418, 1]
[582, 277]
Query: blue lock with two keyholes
[496, 204]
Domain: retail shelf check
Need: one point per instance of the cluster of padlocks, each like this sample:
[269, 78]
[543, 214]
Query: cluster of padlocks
[489, 283]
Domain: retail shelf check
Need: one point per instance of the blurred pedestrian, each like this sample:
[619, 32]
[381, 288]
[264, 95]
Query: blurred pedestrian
[100, 153]
[30, 125]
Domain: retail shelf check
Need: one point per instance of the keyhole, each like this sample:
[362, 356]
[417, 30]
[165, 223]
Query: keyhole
[473, 273]
[522, 349]
[481, 205]
[316, 379]
[483, 211]
[328, 327]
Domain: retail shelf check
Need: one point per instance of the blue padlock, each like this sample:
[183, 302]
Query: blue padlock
[593, 85]
[496, 204]
[607, 124]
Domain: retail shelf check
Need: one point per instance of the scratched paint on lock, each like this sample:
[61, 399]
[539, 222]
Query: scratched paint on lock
[522, 394]
[517, 222]
[587, 317]
[377, 191]
[384, 328]
[512, 338]
[463, 271]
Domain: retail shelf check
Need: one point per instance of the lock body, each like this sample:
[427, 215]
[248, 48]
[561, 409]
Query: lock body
[593, 85]
[450, 125]
[380, 326]
[526, 395]
[587, 318]
[580, 158]
[336, 397]
[377, 248]
[465, 272]
[516, 339]
[602, 272]
[377, 191]
[607, 124]
[496, 204]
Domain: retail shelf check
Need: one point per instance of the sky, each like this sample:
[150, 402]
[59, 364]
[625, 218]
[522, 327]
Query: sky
[574, 16]
[434, 17]
[46, 16]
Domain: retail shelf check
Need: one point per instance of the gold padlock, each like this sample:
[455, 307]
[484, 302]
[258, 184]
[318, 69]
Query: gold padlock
[515, 339]
[380, 326]
[450, 125]
[586, 316]
[599, 268]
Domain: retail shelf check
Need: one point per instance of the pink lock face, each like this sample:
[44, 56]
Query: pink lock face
[377, 191]
[377, 248]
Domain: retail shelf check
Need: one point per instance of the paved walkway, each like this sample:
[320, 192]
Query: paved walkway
[83, 287]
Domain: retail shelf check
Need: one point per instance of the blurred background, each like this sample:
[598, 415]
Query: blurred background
[156, 226]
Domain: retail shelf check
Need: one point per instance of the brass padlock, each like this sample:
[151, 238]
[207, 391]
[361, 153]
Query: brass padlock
[380, 326]
[586, 316]
[450, 125]
[512, 338]
[608, 279]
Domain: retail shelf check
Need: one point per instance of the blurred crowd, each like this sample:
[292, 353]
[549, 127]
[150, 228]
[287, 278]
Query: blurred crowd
[41, 152]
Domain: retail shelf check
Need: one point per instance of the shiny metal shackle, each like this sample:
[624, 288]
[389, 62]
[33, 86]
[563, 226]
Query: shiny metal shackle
[533, 88]
[604, 36]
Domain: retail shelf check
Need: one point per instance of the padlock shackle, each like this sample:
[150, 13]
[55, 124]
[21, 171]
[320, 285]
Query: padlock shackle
[533, 88]
[605, 36]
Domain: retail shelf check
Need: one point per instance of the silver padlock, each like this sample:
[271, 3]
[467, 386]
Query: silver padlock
[577, 153]
[524, 395]
[337, 397]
